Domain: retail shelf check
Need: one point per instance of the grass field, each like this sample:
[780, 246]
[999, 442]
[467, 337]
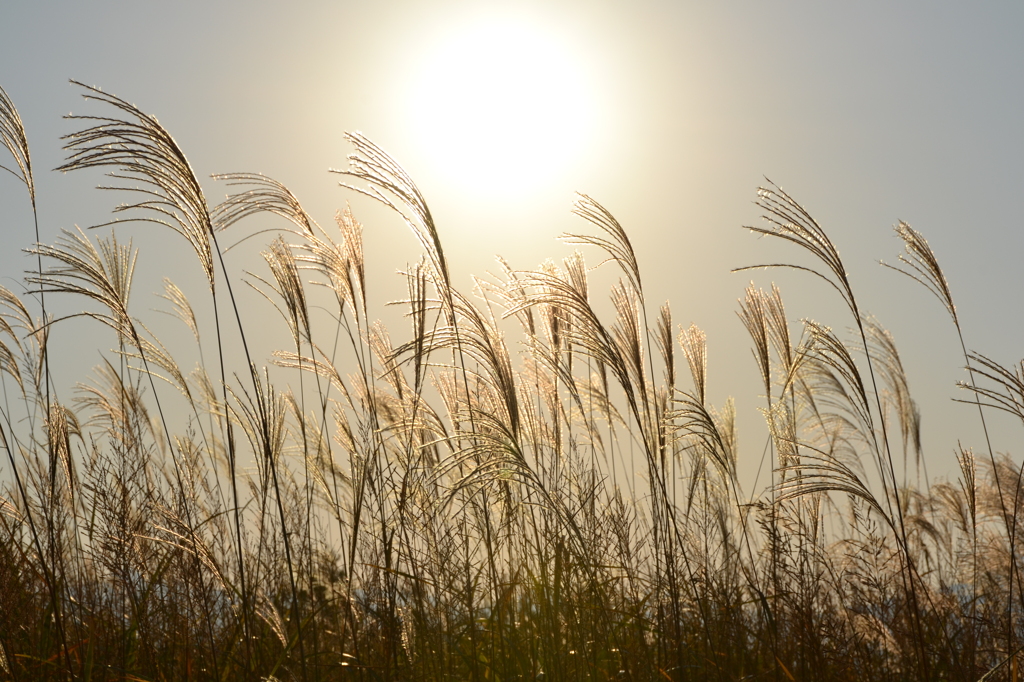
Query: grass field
[528, 482]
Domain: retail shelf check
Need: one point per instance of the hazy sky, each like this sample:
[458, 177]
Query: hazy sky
[669, 113]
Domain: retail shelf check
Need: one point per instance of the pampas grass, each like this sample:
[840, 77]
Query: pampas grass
[526, 483]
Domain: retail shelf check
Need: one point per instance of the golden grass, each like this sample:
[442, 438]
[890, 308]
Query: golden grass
[451, 506]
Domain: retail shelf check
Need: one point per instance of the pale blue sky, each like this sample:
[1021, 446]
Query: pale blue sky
[866, 112]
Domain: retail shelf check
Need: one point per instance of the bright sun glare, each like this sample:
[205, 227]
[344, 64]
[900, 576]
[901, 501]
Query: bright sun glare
[500, 106]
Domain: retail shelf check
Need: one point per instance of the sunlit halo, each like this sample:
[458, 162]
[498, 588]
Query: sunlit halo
[500, 106]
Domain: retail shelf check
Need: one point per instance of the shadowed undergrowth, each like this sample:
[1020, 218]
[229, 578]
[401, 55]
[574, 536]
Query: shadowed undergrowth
[528, 482]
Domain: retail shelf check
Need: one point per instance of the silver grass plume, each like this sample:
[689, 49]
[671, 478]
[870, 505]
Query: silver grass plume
[140, 150]
[264, 195]
[920, 264]
[389, 184]
[616, 244]
[12, 136]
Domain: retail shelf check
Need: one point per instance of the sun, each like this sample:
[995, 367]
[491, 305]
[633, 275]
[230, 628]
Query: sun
[500, 106]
